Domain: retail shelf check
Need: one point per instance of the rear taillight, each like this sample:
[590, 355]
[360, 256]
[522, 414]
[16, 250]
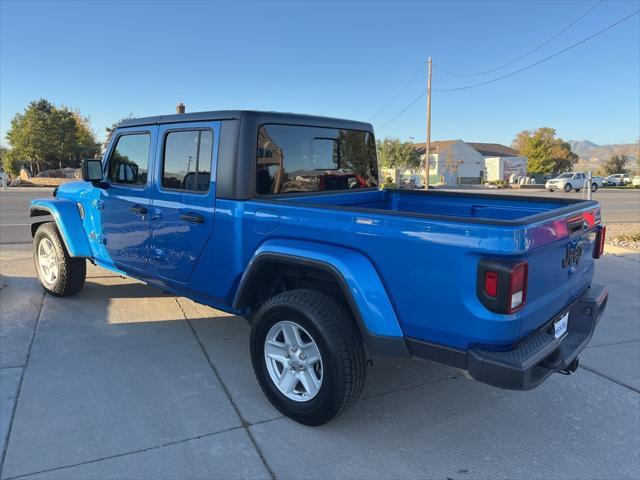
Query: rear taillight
[502, 285]
[518, 286]
[598, 248]
[491, 283]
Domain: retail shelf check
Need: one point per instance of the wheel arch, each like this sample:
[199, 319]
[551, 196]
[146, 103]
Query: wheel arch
[311, 267]
[66, 216]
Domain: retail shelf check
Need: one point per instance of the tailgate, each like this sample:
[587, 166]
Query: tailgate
[561, 265]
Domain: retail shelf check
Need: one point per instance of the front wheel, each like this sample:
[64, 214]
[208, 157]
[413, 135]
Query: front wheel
[307, 355]
[594, 187]
[568, 187]
[59, 274]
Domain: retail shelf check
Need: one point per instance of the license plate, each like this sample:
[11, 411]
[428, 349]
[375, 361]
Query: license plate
[560, 326]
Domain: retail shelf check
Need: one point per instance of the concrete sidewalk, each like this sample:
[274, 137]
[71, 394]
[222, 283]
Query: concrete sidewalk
[122, 381]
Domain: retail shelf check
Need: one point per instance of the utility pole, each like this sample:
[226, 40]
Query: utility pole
[427, 146]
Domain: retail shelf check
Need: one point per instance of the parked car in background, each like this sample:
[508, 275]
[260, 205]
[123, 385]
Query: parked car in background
[573, 181]
[597, 182]
[619, 179]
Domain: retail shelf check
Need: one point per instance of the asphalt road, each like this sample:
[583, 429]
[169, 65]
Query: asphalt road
[123, 381]
[618, 206]
[14, 213]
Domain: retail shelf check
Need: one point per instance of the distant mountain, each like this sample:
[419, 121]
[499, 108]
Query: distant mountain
[592, 155]
[581, 145]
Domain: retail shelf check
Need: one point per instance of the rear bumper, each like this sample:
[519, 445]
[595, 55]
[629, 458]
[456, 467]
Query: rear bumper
[535, 357]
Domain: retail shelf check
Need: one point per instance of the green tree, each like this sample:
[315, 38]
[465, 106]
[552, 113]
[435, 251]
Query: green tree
[392, 153]
[616, 164]
[11, 161]
[87, 145]
[545, 152]
[110, 130]
[46, 136]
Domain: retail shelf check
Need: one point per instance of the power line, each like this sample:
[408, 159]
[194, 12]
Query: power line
[560, 52]
[397, 94]
[466, 87]
[388, 122]
[546, 42]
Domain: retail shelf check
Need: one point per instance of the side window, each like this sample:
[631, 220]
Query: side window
[129, 162]
[187, 160]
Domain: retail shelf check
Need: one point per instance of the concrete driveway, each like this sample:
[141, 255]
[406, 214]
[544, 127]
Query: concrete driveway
[123, 381]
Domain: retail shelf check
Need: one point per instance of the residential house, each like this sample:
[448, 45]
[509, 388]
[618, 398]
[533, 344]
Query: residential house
[500, 162]
[453, 162]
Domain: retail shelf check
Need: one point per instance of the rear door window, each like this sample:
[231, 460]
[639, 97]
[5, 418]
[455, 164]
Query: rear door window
[187, 160]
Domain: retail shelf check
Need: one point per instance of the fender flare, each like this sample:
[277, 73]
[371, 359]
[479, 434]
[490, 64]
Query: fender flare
[66, 216]
[355, 274]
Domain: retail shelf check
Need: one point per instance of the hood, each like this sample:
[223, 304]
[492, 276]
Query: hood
[73, 187]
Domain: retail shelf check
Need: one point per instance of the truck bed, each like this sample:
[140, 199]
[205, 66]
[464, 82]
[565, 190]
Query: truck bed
[426, 247]
[463, 206]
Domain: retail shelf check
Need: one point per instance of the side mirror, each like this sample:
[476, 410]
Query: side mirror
[91, 170]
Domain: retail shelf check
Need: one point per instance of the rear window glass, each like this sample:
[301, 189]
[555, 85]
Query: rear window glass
[294, 159]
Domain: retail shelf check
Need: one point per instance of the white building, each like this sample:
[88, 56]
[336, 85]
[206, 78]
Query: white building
[500, 162]
[455, 162]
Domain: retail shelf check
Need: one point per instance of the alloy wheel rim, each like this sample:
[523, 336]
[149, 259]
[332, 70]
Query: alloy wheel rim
[293, 361]
[48, 263]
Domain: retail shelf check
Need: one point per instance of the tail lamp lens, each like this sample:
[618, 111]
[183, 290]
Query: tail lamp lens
[518, 286]
[501, 284]
[598, 249]
[491, 283]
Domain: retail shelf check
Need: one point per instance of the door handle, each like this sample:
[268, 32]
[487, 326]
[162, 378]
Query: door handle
[192, 218]
[138, 209]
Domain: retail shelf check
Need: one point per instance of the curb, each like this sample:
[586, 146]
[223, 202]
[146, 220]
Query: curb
[627, 253]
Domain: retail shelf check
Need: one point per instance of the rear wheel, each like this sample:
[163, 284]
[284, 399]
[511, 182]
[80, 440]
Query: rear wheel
[58, 273]
[308, 355]
[568, 187]
[594, 187]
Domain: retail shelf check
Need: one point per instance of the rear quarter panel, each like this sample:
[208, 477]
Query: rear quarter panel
[429, 267]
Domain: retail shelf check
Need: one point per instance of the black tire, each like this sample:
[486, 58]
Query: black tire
[71, 271]
[340, 344]
[594, 187]
[578, 189]
[568, 187]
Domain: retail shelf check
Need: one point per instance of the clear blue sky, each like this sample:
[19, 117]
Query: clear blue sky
[110, 59]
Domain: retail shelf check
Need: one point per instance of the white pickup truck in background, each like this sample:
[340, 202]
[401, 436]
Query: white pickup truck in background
[573, 181]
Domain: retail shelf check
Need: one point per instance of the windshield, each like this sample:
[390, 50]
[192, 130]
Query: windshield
[312, 159]
[566, 175]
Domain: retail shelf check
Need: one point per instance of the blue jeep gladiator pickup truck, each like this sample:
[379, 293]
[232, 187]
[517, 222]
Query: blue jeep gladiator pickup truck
[279, 218]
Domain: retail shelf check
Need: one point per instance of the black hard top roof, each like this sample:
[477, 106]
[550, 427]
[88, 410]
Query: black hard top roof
[254, 116]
